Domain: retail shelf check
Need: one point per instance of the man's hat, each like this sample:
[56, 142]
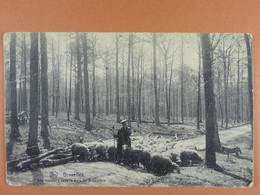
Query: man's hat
[123, 121]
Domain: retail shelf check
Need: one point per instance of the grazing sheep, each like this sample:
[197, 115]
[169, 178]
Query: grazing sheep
[161, 166]
[190, 157]
[81, 150]
[93, 152]
[102, 153]
[144, 159]
[131, 157]
[174, 157]
[112, 153]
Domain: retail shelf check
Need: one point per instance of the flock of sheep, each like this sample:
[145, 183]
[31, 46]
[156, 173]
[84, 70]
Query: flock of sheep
[158, 164]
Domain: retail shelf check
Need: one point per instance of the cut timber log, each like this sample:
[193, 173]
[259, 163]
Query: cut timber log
[24, 164]
[53, 162]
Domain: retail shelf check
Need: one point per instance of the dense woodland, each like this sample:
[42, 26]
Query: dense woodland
[162, 78]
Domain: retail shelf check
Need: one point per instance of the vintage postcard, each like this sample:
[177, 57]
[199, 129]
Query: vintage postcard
[128, 109]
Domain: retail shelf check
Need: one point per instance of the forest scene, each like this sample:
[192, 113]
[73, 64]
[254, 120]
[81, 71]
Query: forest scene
[185, 99]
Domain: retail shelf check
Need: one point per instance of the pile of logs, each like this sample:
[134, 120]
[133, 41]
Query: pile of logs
[50, 158]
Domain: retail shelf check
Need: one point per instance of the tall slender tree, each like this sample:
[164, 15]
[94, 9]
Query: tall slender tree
[225, 83]
[106, 60]
[249, 77]
[133, 77]
[70, 93]
[94, 57]
[44, 87]
[32, 145]
[128, 80]
[58, 80]
[53, 81]
[182, 85]
[238, 85]
[154, 40]
[15, 132]
[117, 80]
[66, 81]
[86, 81]
[24, 89]
[139, 84]
[165, 51]
[170, 90]
[122, 102]
[199, 92]
[77, 90]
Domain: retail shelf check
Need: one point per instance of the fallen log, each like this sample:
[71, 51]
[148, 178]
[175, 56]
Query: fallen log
[58, 156]
[53, 162]
[26, 163]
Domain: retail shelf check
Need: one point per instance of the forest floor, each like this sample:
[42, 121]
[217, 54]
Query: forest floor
[238, 170]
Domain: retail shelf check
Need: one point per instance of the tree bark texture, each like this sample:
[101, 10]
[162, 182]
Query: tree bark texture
[32, 146]
[210, 158]
[86, 82]
[44, 87]
[14, 120]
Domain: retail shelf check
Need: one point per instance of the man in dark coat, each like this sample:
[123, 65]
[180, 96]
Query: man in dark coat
[123, 138]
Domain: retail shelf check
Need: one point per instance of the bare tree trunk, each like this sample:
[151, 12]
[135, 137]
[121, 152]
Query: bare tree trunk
[182, 90]
[225, 86]
[77, 90]
[111, 103]
[123, 86]
[139, 87]
[32, 145]
[199, 93]
[177, 102]
[24, 96]
[128, 82]
[211, 127]
[133, 78]
[99, 102]
[66, 79]
[58, 81]
[157, 121]
[166, 89]
[71, 61]
[86, 83]
[20, 93]
[44, 85]
[249, 77]
[107, 85]
[220, 97]
[53, 81]
[169, 93]
[117, 82]
[82, 104]
[238, 87]
[242, 94]
[94, 77]
[14, 120]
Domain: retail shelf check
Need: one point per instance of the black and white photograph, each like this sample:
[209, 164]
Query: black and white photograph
[128, 109]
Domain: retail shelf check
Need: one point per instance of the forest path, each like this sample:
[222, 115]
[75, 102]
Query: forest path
[225, 137]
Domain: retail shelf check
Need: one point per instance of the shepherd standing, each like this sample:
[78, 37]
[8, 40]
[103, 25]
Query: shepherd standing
[123, 138]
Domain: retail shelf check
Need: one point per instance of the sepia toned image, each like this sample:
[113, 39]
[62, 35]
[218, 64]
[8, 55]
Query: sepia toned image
[129, 109]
